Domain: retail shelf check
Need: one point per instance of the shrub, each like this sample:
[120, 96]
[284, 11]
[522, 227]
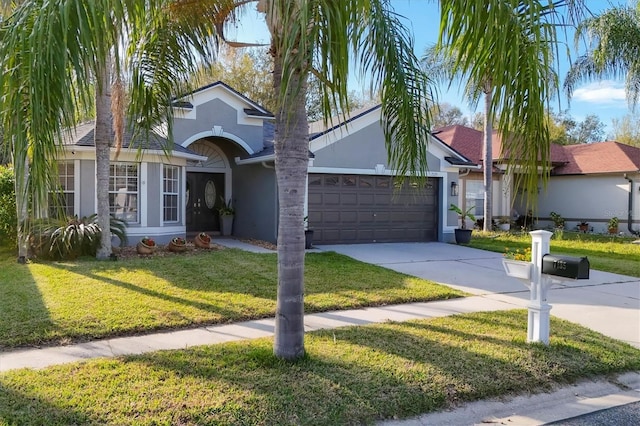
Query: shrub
[8, 220]
[68, 239]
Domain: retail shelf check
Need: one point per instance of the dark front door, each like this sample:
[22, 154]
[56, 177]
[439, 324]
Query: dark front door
[205, 192]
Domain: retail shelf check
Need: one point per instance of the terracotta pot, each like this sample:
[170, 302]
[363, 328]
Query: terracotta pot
[142, 248]
[202, 242]
[176, 248]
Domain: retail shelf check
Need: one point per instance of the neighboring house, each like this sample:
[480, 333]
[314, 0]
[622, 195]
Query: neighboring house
[587, 182]
[598, 181]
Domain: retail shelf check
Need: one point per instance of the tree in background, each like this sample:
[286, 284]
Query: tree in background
[247, 70]
[626, 130]
[591, 129]
[444, 114]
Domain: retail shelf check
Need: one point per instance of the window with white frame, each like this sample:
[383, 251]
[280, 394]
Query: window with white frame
[123, 191]
[474, 197]
[64, 194]
[170, 193]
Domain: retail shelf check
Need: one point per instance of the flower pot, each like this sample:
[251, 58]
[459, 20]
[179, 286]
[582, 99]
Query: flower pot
[504, 226]
[613, 230]
[463, 236]
[517, 269]
[226, 224]
[175, 247]
[308, 238]
[202, 241]
[142, 248]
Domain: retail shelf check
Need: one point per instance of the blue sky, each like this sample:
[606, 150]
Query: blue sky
[605, 99]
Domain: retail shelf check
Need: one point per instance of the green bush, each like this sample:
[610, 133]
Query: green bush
[71, 238]
[8, 220]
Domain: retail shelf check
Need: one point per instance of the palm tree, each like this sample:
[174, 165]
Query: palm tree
[505, 51]
[439, 62]
[57, 54]
[614, 44]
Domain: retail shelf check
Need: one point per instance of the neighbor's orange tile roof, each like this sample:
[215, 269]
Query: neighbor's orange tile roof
[468, 142]
[600, 157]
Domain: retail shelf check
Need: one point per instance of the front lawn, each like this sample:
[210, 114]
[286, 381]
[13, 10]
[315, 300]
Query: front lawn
[606, 253]
[354, 375]
[62, 302]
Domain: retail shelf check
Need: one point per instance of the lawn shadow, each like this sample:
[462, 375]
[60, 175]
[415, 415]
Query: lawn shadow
[151, 293]
[313, 390]
[22, 308]
[20, 408]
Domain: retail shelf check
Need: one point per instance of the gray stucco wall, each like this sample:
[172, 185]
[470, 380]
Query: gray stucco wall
[217, 113]
[256, 202]
[87, 188]
[154, 195]
[361, 150]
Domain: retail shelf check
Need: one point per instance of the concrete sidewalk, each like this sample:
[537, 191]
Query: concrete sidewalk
[45, 357]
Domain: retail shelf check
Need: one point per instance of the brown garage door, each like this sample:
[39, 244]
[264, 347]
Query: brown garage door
[365, 209]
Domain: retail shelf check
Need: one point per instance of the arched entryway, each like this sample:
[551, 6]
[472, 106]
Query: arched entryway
[208, 185]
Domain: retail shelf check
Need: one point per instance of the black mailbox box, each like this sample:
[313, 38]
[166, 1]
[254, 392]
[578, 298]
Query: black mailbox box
[566, 266]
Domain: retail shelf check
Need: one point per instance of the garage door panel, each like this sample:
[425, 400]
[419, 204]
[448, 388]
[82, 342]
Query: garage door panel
[352, 209]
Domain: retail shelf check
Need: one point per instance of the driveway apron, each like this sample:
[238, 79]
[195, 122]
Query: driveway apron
[608, 303]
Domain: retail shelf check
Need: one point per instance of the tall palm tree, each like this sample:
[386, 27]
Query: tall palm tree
[56, 53]
[613, 50]
[439, 62]
[506, 51]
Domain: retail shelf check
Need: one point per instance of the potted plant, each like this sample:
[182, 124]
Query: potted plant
[518, 264]
[177, 244]
[226, 213]
[463, 235]
[504, 224]
[612, 226]
[146, 246]
[308, 234]
[583, 226]
[558, 221]
[202, 240]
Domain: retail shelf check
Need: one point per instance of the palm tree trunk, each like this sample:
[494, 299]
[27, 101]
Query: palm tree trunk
[102, 138]
[292, 159]
[22, 210]
[487, 158]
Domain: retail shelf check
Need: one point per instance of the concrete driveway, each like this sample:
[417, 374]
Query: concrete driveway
[608, 303]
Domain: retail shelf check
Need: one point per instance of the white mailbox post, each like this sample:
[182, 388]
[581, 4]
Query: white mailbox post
[539, 275]
[539, 318]
[530, 273]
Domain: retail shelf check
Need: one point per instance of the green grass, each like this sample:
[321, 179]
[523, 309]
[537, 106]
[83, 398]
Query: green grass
[606, 253]
[354, 375]
[62, 302]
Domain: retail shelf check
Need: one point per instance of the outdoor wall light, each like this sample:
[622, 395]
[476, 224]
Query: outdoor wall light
[454, 189]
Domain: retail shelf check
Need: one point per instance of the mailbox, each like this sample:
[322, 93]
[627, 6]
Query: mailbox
[566, 266]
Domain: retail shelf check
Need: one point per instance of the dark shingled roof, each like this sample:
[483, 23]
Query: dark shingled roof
[82, 135]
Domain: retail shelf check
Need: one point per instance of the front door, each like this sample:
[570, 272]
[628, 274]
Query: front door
[205, 192]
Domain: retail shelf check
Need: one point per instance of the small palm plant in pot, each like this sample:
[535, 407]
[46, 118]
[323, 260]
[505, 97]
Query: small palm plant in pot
[463, 235]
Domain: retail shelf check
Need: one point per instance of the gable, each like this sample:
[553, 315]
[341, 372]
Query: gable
[218, 110]
[359, 143]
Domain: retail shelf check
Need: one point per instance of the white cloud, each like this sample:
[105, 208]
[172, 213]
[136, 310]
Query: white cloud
[607, 91]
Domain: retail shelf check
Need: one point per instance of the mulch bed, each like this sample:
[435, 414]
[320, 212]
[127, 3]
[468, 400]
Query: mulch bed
[125, 253]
